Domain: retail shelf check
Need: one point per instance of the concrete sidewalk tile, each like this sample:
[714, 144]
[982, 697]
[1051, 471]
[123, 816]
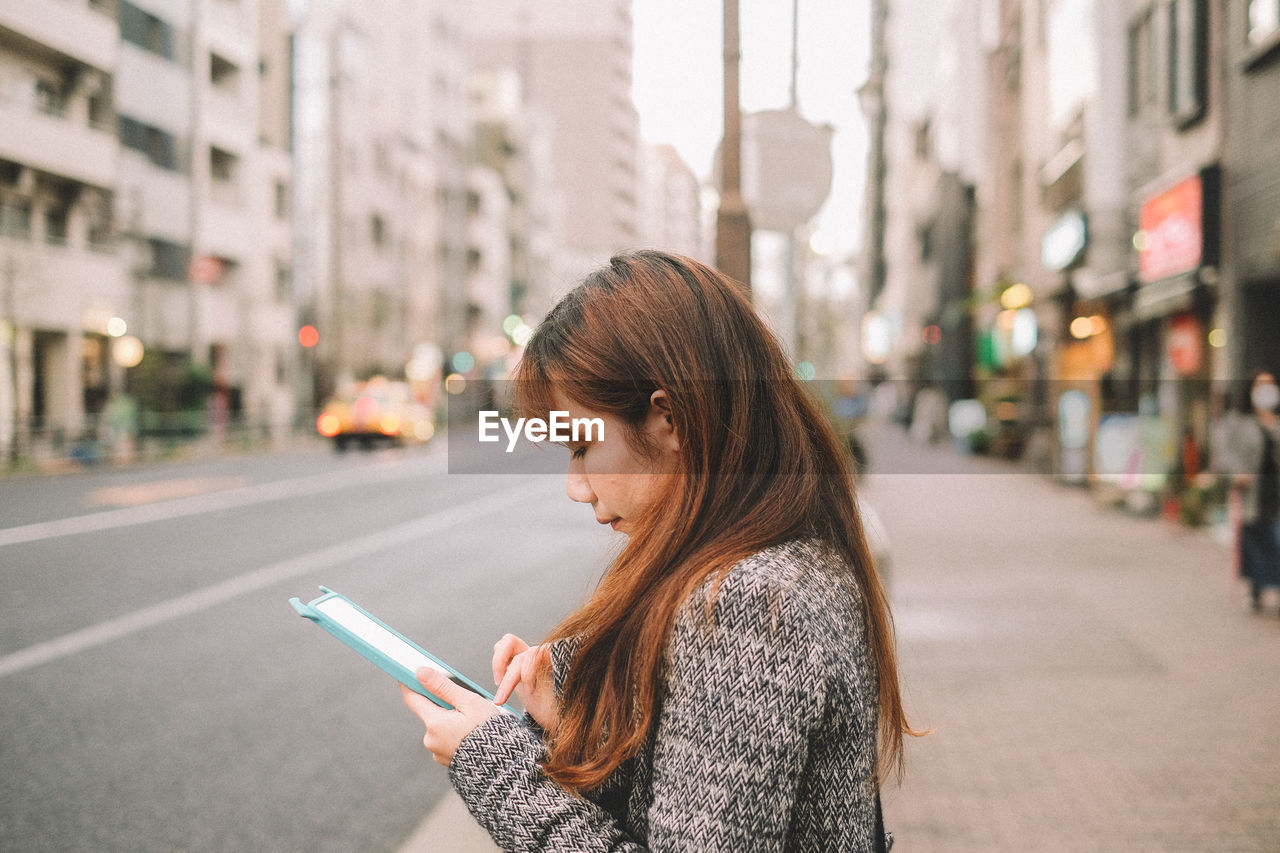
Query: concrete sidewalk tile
[449, 828]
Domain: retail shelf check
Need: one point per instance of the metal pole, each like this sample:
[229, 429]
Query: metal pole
[733, 226]
[795, 50]
[11, 316]
[791, 310]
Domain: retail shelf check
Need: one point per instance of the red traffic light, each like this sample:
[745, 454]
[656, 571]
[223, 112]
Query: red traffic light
[308, 336]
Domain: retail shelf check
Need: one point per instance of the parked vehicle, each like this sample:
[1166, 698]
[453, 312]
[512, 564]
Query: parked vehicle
[378, 411]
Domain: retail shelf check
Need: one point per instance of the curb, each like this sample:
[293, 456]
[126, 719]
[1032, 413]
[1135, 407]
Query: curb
[449, 828]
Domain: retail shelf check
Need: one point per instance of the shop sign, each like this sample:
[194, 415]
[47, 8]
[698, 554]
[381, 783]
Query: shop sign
[204, 270]
[1064, 242]
[1171, 239]
[1184, 344]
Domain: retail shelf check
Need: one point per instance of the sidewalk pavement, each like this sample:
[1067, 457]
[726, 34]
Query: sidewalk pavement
[449, 828]
[1089, 676]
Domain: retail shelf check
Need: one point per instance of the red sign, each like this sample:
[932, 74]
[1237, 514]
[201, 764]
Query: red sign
[205, 270]
[1183, 344]
[1171, 239]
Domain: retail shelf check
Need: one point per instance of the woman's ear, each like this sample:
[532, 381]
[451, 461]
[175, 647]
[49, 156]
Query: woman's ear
[661, 423]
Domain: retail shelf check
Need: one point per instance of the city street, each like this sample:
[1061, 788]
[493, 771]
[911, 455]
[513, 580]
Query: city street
[158, 692]
[1090, 677]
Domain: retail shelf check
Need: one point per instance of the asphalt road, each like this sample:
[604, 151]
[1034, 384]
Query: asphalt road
[157, 691]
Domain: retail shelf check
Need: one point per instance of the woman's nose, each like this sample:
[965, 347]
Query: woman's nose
[577, 487]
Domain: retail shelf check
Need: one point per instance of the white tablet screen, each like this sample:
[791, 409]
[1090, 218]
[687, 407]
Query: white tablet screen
[342, 612]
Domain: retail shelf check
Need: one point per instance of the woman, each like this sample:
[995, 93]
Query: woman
[1249, 455]
[732, 683]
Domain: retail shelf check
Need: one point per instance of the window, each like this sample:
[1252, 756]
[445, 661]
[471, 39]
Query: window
[1187, 61]
[1264, 21]
[168, 260]
[55, 224]
[283, 282]
[1142, 64]
[223, 73]
[100, 114]
[15, 217]
[378, 230]
[282, 200]
[51, 98]
[923, 140]
[222, 165]
[146, 31]
[160, 148]
[924, 234]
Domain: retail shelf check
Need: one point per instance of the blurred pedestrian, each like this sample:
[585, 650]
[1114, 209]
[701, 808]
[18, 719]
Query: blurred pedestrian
[1249, 453]
[732, 683]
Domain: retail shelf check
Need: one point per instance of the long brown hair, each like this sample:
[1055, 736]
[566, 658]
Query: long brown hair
[760, 465]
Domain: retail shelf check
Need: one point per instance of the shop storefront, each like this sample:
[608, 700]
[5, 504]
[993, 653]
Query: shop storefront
[1161, 393]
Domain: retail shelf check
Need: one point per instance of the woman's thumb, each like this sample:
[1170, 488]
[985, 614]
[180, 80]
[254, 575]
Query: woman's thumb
[439, 685]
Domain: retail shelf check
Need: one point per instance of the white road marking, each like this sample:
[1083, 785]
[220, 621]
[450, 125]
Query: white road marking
[314, 484]
[220, 593]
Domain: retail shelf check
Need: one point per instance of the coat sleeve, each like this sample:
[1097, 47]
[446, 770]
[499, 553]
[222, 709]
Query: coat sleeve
[743, 691]
[496, 772]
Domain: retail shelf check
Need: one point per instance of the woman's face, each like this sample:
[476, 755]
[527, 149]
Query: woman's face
[621, 484]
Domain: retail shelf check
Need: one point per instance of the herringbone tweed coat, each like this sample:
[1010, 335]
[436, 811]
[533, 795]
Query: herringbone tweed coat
[766, 739]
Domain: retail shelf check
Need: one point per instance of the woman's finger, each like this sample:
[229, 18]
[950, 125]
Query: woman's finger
[530, 663]
[439, 685]
[422, 707]
[503, 651]
[509, 681]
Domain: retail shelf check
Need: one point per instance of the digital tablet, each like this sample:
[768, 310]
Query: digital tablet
[391, 651]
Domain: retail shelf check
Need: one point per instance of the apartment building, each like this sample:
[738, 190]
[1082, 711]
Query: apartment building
[933, 152]
[202, 95]
[509, 206]
[574, 60]
[145, 166]
[62, 280]
[382, 151]
[670, 203]
[1250, 269]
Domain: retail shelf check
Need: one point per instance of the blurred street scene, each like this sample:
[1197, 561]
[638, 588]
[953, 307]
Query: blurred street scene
[262, 261]
[1091, 679]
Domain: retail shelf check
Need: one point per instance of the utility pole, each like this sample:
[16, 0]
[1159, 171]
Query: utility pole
[10, 339]
[733, 226]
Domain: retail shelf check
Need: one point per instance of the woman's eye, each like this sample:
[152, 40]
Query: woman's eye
[580, 452]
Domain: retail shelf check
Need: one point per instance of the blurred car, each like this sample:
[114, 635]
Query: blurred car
[377, 411]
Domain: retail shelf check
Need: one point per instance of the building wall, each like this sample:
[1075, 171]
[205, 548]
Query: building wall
[1251, 195]
[383, 138]
[670, 212]
[61, 276]
[574, 60]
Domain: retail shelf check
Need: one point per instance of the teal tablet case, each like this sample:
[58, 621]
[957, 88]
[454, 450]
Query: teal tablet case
[397, 670]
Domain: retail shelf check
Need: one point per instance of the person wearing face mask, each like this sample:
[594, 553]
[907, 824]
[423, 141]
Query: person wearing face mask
[1251, 458]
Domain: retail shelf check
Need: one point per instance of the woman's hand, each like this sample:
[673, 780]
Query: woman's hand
[526, 670]
[445, 728]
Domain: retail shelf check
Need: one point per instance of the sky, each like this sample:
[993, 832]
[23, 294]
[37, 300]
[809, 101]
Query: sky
[677, 74]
